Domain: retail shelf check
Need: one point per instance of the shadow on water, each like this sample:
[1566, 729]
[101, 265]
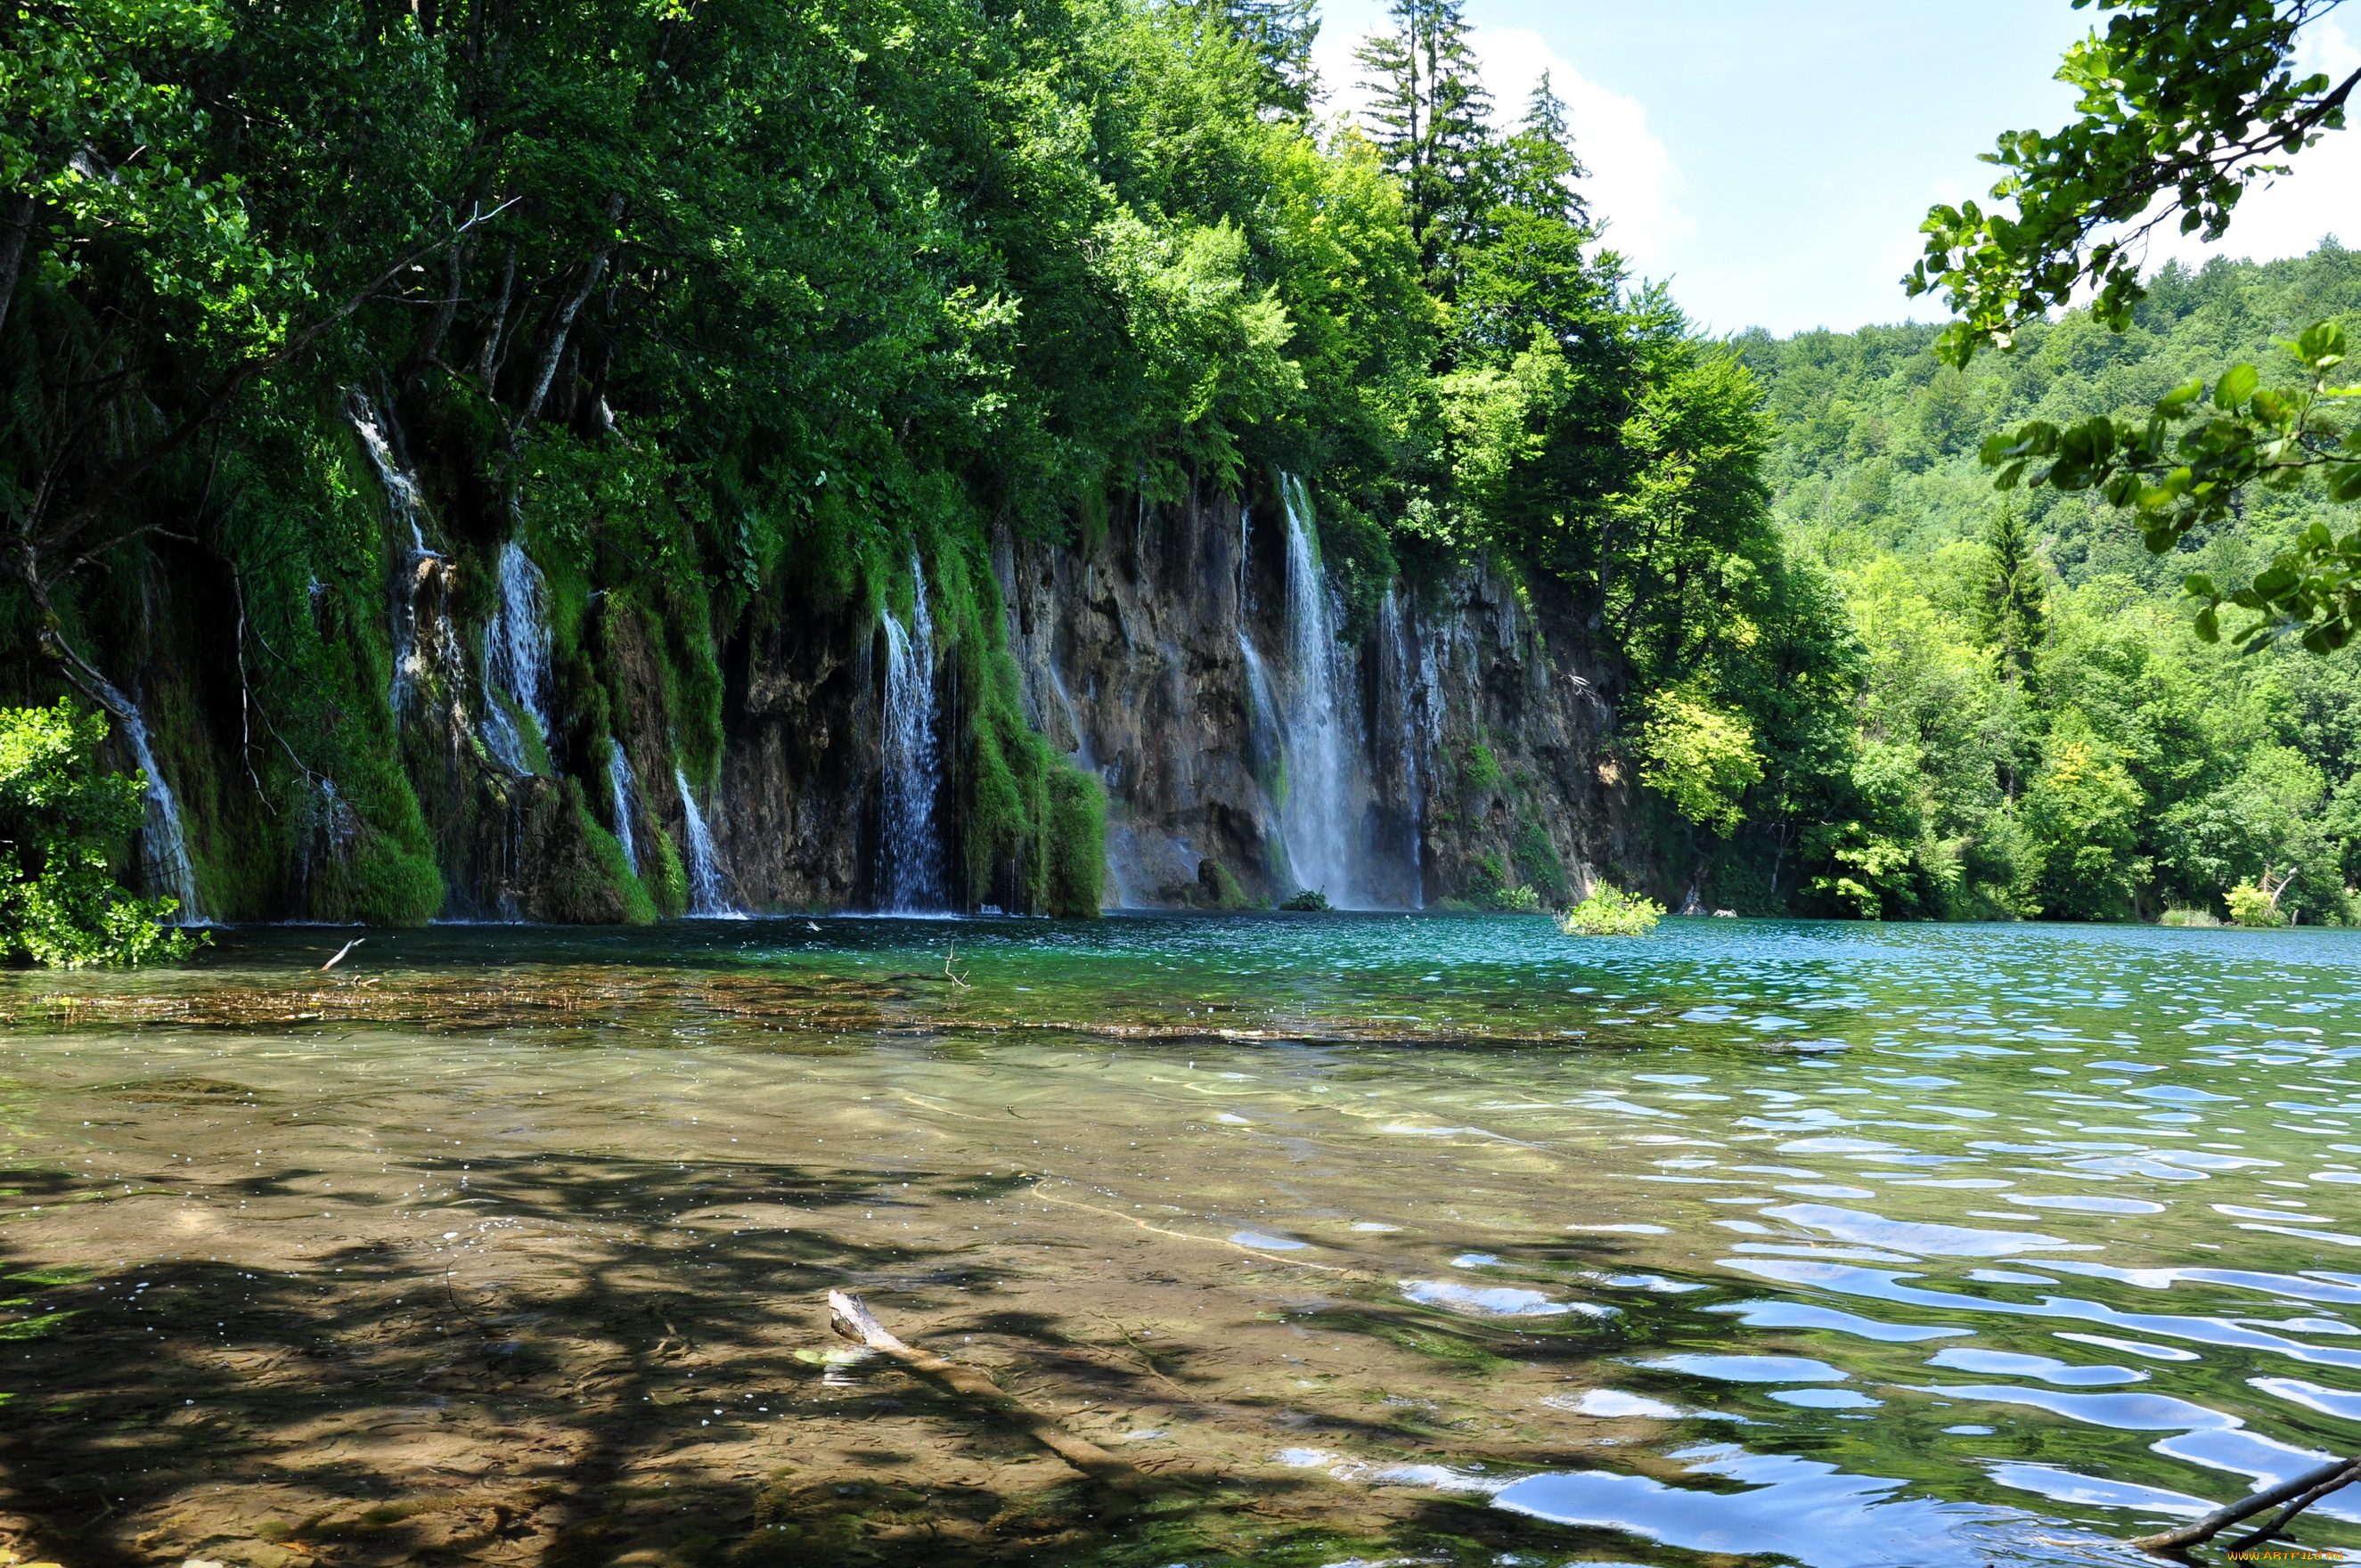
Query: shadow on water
[599, 1373]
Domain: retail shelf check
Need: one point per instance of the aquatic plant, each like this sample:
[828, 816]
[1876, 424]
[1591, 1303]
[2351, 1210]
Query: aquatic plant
[1611, 912]
[2188, 917]
[1308, 899]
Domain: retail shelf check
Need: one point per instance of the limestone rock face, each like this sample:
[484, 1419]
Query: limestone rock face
[1460, 725]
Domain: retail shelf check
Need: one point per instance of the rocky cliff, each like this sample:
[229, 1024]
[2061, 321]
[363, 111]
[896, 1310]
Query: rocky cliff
[528, 726]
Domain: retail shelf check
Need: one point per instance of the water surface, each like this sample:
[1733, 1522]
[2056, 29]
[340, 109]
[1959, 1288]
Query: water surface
[1442, 1236]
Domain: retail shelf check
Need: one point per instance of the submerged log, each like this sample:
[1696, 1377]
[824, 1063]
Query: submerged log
[848, 1317]
[2298, 1492]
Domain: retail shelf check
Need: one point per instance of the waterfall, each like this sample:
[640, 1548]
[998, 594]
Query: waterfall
[618, 781]
[707, 901]
[516, 660]
[163, 846]
[402, 500]
[1324, 814]
[1396, 614]
[912, 867]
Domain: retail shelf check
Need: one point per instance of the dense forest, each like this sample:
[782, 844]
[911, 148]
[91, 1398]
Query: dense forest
[2038, 733]
[437, 435]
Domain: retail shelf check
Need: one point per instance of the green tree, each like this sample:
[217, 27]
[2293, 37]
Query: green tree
[1428, 115]
[61, 903]
[2012, 603]
[2183, 104]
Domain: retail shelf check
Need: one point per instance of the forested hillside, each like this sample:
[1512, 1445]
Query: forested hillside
[601, 461]
[2040, 732]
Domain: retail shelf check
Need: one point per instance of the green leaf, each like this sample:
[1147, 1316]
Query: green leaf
[2200, 584]
[2236, 387]
[2208, 625]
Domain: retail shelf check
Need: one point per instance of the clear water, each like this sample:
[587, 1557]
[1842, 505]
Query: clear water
[1853, 1245]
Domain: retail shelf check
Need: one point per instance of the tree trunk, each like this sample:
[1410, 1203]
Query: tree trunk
[15, 229]
[561, 324]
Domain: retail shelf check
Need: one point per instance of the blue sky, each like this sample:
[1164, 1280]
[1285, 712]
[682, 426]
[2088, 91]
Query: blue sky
[1774, 161]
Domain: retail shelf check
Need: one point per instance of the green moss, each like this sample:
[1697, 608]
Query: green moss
[1480, 770]
[664, 878]
[1538, 860]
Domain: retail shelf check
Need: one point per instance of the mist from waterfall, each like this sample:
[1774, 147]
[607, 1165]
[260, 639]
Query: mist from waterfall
[626, 801]
[1324, 814]
[163, 846]
[910, 871]
[516, 658]
[707, 900]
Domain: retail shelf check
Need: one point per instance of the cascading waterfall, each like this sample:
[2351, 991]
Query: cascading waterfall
[618, 781]
[1395, 614]
[516, 660]
[162, 841]
[1324, 816]
[403, 499]
[911, 877]
[707, 900]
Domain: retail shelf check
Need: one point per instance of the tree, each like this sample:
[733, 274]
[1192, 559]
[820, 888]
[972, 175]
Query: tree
[1428, 116]
[1537, 167]
[2012, 603]
[2184, 103]
[1281, 33]
[60, 903]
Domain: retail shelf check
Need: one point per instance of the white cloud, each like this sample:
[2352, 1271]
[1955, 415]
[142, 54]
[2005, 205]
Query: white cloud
[1632, 184]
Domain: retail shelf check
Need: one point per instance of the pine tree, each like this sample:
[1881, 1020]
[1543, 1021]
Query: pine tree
[1428, 115]
[2013, 603]
[1281, 33]
[1537, 165]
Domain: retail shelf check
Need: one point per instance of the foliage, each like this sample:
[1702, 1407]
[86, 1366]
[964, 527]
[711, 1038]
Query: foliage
[1702, 760]
[2035, 732]
[1307, 901]
[61, 904]
[2181, 102]
[1611, 912]
[2250, 905]
[2198, 918]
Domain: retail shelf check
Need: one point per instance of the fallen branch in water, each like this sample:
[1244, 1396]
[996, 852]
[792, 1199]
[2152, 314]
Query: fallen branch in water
[848, 1317]
[348, 948]
[2299, 1493]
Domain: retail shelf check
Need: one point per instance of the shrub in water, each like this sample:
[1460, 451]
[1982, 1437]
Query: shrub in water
[1308, 898]
[60, 903]
[2188, 917]
[1611, 912]
[2250, 905]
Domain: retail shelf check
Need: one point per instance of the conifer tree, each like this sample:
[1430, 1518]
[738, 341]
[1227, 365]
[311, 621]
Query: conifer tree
[1281, 33]
[1428, 116]
[2012, 603]
[1538, 166]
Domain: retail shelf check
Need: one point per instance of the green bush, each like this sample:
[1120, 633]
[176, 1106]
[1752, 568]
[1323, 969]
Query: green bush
[1611, 912]
[2188, 917]
[1307, 901]
[2250, 905]
[61, 904]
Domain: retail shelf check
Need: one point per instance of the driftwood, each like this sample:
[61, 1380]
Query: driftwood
[348, 948]
[2299, 1493]
[848, 1317]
